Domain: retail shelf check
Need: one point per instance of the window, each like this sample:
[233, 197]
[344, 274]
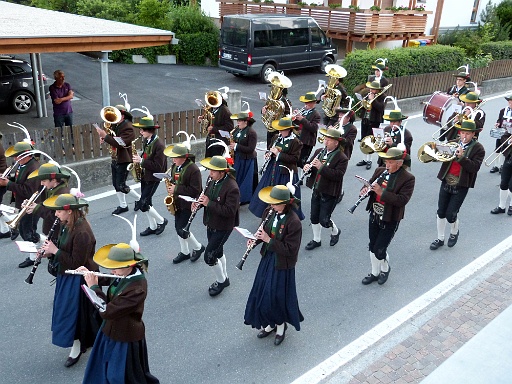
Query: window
[318, 37]
[475, 11]
[294, 37]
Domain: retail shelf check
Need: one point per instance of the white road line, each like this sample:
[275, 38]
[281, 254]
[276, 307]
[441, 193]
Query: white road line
[107, 194]
[329, 366]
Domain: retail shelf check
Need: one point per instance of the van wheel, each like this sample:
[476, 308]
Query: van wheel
[265, 71]
[325, 62]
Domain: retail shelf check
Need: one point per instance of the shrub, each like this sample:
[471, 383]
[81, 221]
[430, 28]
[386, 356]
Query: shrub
[499, 50]
[504, 13]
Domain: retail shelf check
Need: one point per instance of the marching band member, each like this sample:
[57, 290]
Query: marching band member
[5, 231]
[372, 115]
[327, 168]
[471, 100]
[457, 177]
[307, 120]
[121, 157]
[23, 189]
[285, 150]
[186, 181]
[287, 111]
[395, 131]
[74, 319]
[340, 87]
[273, 302]
[152, 161]
[120, 353]
[344, 121]
[244, 145]
[505, 116]
[378, 75]
[221, 201]
[459, 88]
[387, 207]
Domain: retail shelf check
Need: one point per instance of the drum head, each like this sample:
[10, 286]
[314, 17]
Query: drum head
[438, 108]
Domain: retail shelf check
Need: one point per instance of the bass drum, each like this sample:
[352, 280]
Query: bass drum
[435, 110]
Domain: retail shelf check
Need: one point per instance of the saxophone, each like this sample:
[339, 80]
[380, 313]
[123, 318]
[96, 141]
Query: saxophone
[135, 168]
[169, 199]
[274, 107]
[332, 96]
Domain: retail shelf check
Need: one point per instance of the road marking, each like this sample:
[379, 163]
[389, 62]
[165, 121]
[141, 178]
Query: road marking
[107, 194]
[329, 366]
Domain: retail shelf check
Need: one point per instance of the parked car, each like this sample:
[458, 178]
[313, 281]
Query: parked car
[17, 85]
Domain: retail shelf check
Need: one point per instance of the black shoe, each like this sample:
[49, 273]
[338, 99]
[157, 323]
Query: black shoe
[217, 287]
[196, 254]
[335, 238]
[501, 169]
[160, 227]
[14, 234]
[312, 245]
[72, 361]
[369, 279]
[497, 210]
[279, 338]
[383, 276]
[494, 170]
[452, 240]
[181, 257]
[436, 244]
[5, 235]
[136, 207]
[369, 164]
[509, 212]
[119, 210]
[26, 263]
[262, 334]
[361, 163]
[148, 231]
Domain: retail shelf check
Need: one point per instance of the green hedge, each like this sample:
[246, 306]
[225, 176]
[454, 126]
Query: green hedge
[401, 62]
[194, 48]
[500, 50]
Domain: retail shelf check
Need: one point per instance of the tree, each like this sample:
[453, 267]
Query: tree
[504, 13]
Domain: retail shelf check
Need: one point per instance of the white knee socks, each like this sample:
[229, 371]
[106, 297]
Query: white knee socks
[4, 228]
[159, 219]
[122, 199]
[503, 198]
[375, 264]
[223, 262]
[184, 246]
[384, 264]
[369, 157]
[134, 194]
[317, 232]
[193, 243]
[75, 349]
[219, 272]
[441, 226]
[454, 227]
[334, 229]
[152, 221]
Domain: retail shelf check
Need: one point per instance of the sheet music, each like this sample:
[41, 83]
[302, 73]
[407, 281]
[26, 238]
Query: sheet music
[263, 95]
[445, 149]
[26, 246]
[188, 198]
[97, 301]
[224, 134]
[378, 132]
[120, 141]
[7, 209]
[507, 125]
[245, 233]
[162, 175]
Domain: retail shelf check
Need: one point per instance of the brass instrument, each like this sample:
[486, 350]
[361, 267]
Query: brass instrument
[8, 170]
[429, 152]
[461, 116]
[332, 96]
[367, 104]
[13, 224]
[498, 151]
[298, 112]
[274, 107]
[110, 115]
[135, 168]
[371, 144]
[169, 199]
[213, 99]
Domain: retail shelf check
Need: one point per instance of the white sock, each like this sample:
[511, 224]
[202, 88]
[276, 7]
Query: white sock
[500, 161]
[317, 232]
[219, 273]
[375, 264]
[4, 228]
[122, 199]
[193, 243]
[134, 194]
[159, 219]
[184, 246]
[224, 263]
[334, 229]
[503, 198]
[384, 264]
[369, 157]
[75, 349]
[32, 256]
[280, 329]
[510, 198]
[152, 221]
[441, 226]
[268, 328]
[454, 227]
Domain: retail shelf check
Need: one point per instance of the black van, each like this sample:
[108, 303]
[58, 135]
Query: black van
[257, 44]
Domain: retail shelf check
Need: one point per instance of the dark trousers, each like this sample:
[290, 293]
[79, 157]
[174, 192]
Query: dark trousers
[215, 248]
[304, 155]
[322, 206]
[381, 233]
[449, 202]
[147, 190]
[28, 228]
[506, 175]
[216, 150]
[119, 176]
[180, 221]
[366, 127]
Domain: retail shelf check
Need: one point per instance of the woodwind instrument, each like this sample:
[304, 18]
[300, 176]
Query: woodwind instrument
[135, 168]
[304, 174]
[40, 253]
[186, 229]
[75, 272]
[252, 244]
[267, 160]
[378, 180]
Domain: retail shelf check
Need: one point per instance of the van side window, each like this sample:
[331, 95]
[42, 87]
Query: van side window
[318, 37]
[235, 37]
[266, 38]
[294, 37]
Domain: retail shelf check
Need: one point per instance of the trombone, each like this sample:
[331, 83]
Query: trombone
[498, 151]
[461, 116]
[365, 103]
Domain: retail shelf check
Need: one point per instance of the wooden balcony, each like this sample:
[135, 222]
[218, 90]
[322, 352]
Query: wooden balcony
[344, 23]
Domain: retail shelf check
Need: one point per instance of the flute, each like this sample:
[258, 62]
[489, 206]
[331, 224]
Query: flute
[110, 276]
[253, 243]
[378, 180]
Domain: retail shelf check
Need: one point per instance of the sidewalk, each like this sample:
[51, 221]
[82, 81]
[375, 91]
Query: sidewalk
[432, 339]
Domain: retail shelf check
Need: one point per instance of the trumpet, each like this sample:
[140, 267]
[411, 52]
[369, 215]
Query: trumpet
[367, 104]
[75, 272]
[186, 229]
[8, 171]
[298, 112]
[252, 244]
[460, 117]
[378, 180]
[13, 224]
[497, 152]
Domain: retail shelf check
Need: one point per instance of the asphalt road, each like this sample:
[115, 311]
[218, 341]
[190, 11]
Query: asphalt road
[193, 338]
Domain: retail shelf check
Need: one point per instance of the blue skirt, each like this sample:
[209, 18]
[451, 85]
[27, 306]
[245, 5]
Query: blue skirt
[66, 305]
[271, 177]
[273, 298]
[245, 171]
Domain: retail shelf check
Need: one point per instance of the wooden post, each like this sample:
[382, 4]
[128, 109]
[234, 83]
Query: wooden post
[437, 19]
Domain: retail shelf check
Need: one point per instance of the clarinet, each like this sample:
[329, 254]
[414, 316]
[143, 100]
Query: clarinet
[186, 229]
[304, 174]
[252, 244]
[40, 254]
[378, 180]
[267, 161]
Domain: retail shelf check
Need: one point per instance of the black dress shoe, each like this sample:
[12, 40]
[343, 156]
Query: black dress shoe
[452, 240]
[148, 231]
[262, 334]
[160, 227]
[196, 254]
[335, 238]
[14, 234]
[216, 288]
[509, 212]
[136, 207]
[383, 276]
[369, 279]
[497, 210]
[119, 210]
[279, 338]
[26, 263]
[361, 163]
[5, 235]
[436, 244]
[181, 257]
[494, 170]
[72, 361]
[368, 164]
[312, 245]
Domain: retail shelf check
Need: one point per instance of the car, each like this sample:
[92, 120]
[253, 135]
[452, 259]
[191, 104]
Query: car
[17, 85]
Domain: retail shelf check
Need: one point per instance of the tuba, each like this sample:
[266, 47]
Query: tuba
[429, 152]
[332, 96]
[274, 106]
[135, 168]
[213, 99]
[169, 199]
[110, 115]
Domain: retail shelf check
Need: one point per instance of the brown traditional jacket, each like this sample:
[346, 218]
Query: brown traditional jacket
[289, 155]
[470, 165]
[222, 210]
[246, 143]
[124, 130]
[188, 184]
[3, 160]
[47, 214]
[23, 187]
[153, 159]
[330, 175]
[308, 127]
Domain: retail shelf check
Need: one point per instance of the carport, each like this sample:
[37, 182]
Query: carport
[35, 31]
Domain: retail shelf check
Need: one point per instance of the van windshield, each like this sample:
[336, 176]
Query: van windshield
[235, 32]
